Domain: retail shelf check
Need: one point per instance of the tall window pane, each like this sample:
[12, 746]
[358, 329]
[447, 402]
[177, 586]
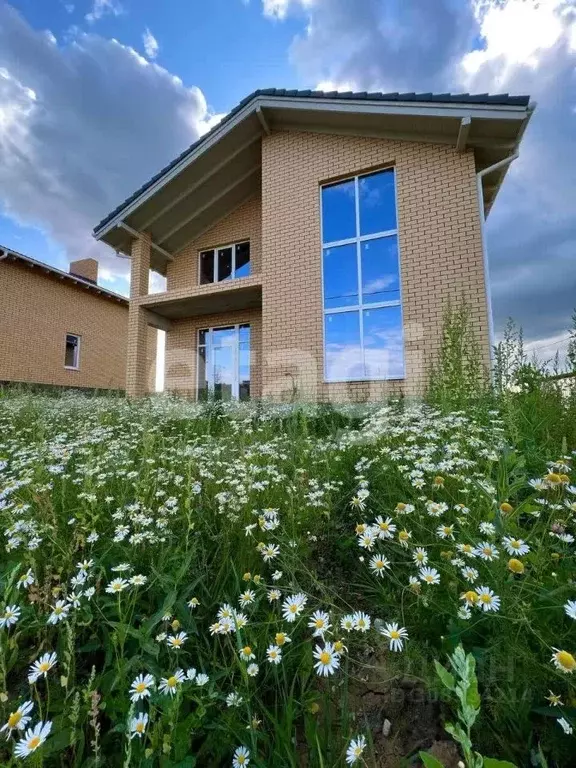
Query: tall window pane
[380, 272]
[206, 267]
[340, 276]
[338, 212]
[202, 373]
[343, 347]
[383, 344]
[242, 260]
[377, 202]
[224, 263]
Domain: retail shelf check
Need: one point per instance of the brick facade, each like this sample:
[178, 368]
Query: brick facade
[38, 309]
[440, 260]
[440, 253]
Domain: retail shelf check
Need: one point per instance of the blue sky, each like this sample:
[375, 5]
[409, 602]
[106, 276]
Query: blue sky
[97, 95]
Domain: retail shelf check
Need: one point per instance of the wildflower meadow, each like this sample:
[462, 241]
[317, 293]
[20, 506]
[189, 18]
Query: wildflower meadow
[270, 585]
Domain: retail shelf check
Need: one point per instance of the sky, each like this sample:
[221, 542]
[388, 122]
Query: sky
[97, 95]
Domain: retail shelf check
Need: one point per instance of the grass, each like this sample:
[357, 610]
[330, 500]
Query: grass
[225, 513]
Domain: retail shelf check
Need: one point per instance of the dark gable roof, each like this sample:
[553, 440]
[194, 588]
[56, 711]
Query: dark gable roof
[47, 269]
[502, 99]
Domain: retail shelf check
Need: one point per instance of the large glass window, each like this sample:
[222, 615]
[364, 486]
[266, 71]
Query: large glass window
[224, 363]
[361, 279]
[225, 263]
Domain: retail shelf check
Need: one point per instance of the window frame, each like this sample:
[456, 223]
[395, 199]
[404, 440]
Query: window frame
[78, 349]
[215, 250]
[208, 360]
[361, 306]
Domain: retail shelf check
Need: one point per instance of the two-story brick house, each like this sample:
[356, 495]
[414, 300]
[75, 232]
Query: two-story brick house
[311, 241]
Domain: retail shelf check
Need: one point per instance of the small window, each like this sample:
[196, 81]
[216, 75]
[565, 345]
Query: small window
[72, 354]
[225, 263]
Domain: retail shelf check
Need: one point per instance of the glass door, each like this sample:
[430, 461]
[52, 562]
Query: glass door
[224, 363]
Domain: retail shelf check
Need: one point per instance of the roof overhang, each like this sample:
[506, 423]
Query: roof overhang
[223, 169]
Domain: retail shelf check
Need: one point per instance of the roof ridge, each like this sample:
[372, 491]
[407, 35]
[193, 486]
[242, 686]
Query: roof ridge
[502, 99]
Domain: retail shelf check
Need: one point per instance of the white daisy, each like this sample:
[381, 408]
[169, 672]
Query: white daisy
[33, 738]
[396, 635]
[59, 612]
[384, 528]
[470, 574]
[515, 546]
[252, 670]
[487, 600]
[241, 757]
[486, 551]
[347, 622]
[116, 586]
[10, 616]
[141, 686]
[274, 654]
[328, 660]
[138, 725]
[41, 667]
[170, 684]
[202, 679]
[361, 621]
[570, 609]
[176, 641]
[19, 719]
[355, 749]
[379, 564]
[429, 575]
[420, 556]
[293, 606]
[320, 622]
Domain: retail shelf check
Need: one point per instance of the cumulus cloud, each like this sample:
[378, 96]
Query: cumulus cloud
[519, 46]
[81, 126]
[151, 46]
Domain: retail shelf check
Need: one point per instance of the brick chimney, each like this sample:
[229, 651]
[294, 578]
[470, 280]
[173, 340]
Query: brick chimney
[87, 269]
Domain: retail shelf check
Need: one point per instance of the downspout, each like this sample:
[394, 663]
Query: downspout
[479, 176]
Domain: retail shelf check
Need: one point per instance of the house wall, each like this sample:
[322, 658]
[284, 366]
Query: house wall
[440, 253]
[181, 349]
[244, 223]
[38, 310]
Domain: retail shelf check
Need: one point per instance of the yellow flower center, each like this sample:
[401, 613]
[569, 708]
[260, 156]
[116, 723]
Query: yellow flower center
[438, 480]
[325, 657]
[516, 566]
[280, 638]
[403, 535]
[273, 654]
[172, 682]
[487, 550]
[564, 479]
[485, 598]
[379, 564]
[246, 650]
[319, 623]
[293, 608]
[177, 641]
[384, 526]
[470, 596]
[44, 667]
[140, 727]
[14, 719]
[467, 548]
[140, 687]
[419, 556]
[34, 742]
[361, 527]
[566, 660]
[361, 623]
[175, 625]
[429, 578]
[339, 646]
[241, 760]
[506, 508]
[553, 478]
[400, 506]
[395, 635]
[357, 751]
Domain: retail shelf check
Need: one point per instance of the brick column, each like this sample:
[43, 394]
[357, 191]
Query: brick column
[136, 367]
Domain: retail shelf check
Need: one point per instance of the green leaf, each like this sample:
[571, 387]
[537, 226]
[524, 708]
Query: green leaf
[458, 733]
[447, 679]
[491, 762]
[429, 760]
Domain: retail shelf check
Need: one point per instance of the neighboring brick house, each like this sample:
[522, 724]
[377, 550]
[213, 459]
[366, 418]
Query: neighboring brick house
[63, 329]
[311, 242]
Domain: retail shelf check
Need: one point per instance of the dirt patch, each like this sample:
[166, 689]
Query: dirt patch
[402, 718]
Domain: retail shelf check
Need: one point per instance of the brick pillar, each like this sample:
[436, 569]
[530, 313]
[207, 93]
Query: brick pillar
[137, 363]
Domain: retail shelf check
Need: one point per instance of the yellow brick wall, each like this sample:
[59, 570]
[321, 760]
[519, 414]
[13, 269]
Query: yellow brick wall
[37, 310]
[244, 223]
[440, 253]
[181, 349]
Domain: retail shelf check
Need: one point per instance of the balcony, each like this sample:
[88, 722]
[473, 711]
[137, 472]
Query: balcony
[213, 298]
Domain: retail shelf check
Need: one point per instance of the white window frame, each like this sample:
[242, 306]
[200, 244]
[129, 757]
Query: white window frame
[78, 347]
[361, 306]
[215, 252]
[209, 359]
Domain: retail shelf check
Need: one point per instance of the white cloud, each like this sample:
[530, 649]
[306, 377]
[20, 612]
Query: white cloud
[82, 125]
[278, 9]
[150, 44]
[102, 8]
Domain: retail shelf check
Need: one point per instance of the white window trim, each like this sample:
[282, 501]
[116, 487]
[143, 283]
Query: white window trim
[360, 307]
[209, 356]
[215, 271]
[78, 347]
